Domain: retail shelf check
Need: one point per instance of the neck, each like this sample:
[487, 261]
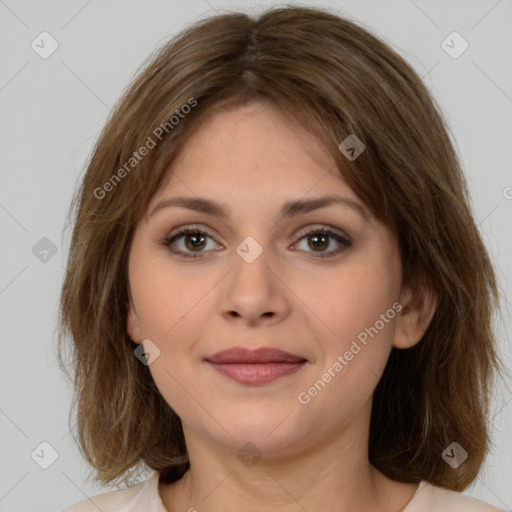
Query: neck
[332, 474]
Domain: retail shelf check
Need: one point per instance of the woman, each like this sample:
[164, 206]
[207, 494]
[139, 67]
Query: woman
[276, 291]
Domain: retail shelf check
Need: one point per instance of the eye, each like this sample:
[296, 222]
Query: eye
[195, 240]
[321, 239]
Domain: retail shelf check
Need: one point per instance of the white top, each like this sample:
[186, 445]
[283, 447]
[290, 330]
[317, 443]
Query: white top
[144, 497]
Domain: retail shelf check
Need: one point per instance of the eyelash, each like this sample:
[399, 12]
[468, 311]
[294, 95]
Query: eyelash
[344, 242]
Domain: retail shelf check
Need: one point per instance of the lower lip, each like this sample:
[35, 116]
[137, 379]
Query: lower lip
[257, 373]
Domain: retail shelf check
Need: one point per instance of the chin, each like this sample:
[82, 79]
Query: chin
[268, 430]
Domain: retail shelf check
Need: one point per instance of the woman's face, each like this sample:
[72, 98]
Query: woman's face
[255, 279]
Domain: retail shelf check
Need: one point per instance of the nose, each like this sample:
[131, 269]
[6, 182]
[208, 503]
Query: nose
[254, 292]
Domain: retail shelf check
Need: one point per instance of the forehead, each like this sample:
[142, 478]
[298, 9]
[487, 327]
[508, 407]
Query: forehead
[252, 150]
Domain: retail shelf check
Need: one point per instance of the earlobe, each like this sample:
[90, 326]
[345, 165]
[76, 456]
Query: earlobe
[417, 313]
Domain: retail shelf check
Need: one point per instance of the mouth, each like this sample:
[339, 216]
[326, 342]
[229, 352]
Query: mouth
[255, 366]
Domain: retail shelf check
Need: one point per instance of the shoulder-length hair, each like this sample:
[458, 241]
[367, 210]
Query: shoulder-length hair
[336, 79]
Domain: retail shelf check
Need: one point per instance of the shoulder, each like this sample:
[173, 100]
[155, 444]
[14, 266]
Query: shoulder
[429, 498]
[141, 496]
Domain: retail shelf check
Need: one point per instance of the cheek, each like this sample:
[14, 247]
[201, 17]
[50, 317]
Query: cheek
[165, 297]
[177, 376]
[357, 307]
[355, 298]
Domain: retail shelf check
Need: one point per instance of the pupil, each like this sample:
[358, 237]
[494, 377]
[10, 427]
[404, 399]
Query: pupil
[195, 244]
[316, 238]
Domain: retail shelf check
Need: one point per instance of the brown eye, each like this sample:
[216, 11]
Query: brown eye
[319, 240]
[194, 241]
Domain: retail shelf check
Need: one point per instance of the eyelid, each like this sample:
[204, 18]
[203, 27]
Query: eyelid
[324, 228]
[178, 230]
[302, 232]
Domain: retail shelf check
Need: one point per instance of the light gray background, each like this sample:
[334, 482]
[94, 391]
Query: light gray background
[51, 111]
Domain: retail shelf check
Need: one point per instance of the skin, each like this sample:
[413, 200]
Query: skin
[312, 456]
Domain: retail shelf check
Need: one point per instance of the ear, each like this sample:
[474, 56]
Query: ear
[132, 321]
[418, 308]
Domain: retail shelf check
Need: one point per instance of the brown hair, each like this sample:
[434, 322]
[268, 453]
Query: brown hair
[336, 79]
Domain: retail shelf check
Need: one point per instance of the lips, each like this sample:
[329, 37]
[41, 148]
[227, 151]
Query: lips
[259, 355]
[255, 366]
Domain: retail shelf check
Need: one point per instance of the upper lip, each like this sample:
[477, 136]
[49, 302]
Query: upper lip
[257, 355]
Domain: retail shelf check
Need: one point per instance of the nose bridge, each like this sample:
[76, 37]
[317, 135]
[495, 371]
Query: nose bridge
[252, 263]
[253, 289]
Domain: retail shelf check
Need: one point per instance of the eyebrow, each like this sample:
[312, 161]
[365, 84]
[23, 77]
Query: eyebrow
[289, 209]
